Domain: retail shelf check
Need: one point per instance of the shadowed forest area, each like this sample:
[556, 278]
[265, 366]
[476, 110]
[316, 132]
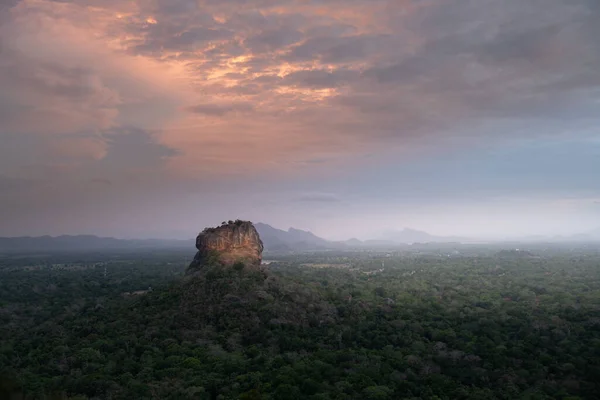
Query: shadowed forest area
[331, 325]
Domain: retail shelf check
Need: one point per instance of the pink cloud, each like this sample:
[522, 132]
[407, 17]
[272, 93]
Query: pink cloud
[244, 87]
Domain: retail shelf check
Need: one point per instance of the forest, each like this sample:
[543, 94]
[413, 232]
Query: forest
[483, 324]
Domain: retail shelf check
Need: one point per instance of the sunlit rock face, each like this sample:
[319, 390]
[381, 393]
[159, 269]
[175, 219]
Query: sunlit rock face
[231, 243]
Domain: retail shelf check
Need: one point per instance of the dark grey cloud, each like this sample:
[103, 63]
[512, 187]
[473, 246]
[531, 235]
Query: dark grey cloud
[521, 45]
[320, 78]
[339, 49]
[337, 29]
[483, 61]
[178, 37]
[133, 149]
[214, 109]
[408, 70]
[42, 95]
[55, 80]
[193, 36]
[274, 39]
[252, 18]
[6, 4]
[19, 72]
[176, 7]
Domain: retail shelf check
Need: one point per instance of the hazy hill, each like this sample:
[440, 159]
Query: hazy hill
[409, 236]
[274, 240]
[354, 242]
[293, 239]
[85, 243]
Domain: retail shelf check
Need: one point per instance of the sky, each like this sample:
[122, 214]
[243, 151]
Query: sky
[156, 118]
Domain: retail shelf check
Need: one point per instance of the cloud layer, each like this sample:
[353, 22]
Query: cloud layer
[173, 93]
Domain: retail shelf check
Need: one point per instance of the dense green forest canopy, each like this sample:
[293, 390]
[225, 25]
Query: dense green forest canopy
[476, 324]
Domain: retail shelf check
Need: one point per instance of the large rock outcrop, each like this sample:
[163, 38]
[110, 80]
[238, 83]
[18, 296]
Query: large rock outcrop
[232, 243]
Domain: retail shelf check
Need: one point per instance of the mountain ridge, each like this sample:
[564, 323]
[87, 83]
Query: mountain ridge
[84, 243]
[274, 240]
[292, 239]
[297, 239]
[409, 236]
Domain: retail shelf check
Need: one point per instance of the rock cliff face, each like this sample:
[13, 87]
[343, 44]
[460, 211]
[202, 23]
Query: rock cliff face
[228, 244]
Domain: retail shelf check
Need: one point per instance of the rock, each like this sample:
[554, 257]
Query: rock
[233, 244]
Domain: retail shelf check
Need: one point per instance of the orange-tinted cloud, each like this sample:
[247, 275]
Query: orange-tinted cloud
[236, 87]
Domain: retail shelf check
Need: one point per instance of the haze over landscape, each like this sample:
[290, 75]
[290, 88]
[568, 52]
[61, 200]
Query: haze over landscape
[300, 199]
[150, 119]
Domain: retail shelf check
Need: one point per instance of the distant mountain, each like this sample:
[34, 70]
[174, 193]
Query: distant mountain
[273, 240]
[410, 236]
[353, 242]
[296, 239]
[293, 239]
[297, 235]
[85, 243]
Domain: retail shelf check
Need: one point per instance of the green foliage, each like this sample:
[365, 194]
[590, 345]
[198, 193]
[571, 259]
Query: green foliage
[481, 326]
[377, 393]
[238, 266]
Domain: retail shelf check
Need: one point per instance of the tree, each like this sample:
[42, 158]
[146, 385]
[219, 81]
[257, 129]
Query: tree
[377, 393]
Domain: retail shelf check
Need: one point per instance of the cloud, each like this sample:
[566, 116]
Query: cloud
[274, 39]
[48, 97]
[132, 149]
[101, 182]
[213, 109]
[320, 78]
[65, 88]
[177, 7]
[339, 49]
[8, 184]
[167, 92]
[78, 148]
[156, 39]
[6, 5]
[362, 74]
[318, 198]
